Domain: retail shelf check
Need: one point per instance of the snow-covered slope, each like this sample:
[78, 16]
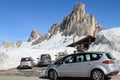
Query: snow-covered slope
[109, 41]
[106, 40]
[10, 57]
[58, 41]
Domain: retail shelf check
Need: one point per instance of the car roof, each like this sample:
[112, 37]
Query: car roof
[26, 58]
[44, 54]
[97, 52]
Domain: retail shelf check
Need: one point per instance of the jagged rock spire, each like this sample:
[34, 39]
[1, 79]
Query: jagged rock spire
[34, 35]
[79, 11]
[78, 23]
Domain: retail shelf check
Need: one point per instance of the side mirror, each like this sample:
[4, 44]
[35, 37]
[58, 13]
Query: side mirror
[58, 63]
[37, 58]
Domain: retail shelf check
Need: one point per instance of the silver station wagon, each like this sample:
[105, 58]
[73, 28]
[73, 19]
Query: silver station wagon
[96, 65]
[26, 62]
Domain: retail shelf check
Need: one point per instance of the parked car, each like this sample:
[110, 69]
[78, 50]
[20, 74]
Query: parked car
[44, 60]
[26, 62]
[60, 55]
[96, 65]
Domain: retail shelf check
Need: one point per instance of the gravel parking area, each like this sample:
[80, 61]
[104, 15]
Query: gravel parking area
[33, 74]
[18, 78]
[37, 78]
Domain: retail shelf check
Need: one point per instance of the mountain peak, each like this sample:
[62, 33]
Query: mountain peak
[34, 35]
[78, 23]
[79, 8]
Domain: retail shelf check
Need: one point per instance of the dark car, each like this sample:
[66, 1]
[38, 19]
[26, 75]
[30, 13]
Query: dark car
[44, 60]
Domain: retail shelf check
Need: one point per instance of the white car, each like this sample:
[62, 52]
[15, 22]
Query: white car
[26, 62]
[96, 65]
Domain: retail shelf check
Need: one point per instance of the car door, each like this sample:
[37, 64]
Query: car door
[82, 65]
[66, 68]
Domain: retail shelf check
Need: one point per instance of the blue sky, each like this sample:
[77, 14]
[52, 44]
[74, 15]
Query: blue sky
[19, 17]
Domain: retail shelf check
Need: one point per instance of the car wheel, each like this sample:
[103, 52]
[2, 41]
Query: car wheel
[53, 75]
[107, 78]
[97, 75]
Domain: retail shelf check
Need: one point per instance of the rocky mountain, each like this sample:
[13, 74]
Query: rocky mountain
[77, 23]
[80, 23]
[34, 35]
[7, 44]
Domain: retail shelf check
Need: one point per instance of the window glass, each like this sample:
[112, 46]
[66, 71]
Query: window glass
[87, 57]
[45, 56]
[25, 59]
[96, 56]
[69, 59]
[80, 58]
[110, 56]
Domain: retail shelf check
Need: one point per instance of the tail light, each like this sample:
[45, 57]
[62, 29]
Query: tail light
[108, 62]
[30, 61]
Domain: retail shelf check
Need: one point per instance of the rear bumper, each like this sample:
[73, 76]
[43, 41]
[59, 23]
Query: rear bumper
[44, 63]
[112, 73]
[25, 66]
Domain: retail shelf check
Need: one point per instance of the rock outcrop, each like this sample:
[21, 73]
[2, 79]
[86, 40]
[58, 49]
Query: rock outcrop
[19, 43]
[40, 39]
[54, 29]
[78, 23]
[7, 44]
[34, 35]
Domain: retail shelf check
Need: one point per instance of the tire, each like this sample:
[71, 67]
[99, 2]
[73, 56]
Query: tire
[53, 75]
[97, 75]
[30, 67]
[107, 78]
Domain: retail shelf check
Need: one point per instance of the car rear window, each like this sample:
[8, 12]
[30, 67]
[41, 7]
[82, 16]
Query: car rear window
[110, 56]
[25, 59]
[45, 56]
